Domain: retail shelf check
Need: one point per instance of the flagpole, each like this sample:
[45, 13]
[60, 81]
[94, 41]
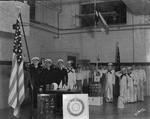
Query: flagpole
[28, 55]
[117, 89]
[24, 37]
[133, 35]
[94, 12]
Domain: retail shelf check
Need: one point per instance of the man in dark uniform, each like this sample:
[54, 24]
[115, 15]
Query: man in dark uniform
[61, 73]
[61, 76]
[48, 74]
[36, 81]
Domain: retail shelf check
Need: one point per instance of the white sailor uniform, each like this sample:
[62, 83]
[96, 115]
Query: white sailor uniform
[142, 79]
[71, 78]
[110, 81]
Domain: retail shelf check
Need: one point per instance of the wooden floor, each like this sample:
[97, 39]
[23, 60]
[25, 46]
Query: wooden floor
[107, 111]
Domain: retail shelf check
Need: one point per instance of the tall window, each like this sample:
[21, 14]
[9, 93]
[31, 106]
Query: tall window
[113, 12]
[87, 11]
[32, 9]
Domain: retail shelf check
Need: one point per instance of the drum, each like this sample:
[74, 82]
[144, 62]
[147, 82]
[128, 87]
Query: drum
[46, 106]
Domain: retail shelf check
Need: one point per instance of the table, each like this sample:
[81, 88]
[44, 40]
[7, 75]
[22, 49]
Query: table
[64, 92]
[59, 95]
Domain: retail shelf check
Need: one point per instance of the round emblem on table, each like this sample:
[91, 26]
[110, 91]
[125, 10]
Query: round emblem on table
[75, 107]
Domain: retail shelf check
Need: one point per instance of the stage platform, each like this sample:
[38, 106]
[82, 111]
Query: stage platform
[106, 111]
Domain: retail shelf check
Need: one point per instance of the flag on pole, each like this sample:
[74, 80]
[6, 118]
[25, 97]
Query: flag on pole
[116, 86]
[16, 84]
[100, 21]
[117, 57]
[96, 17]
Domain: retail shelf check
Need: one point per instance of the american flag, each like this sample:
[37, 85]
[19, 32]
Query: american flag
[16, 84]
[117, 57]
[101, 21]
[116, 87]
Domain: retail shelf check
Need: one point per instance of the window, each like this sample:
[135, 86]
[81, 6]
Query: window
[20, 0]
[113, 12]
[87, 9]
[32, 9]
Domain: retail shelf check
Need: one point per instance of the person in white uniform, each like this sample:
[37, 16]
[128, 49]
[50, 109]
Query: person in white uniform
[110, 81]
[142, 80]
[130, 90]
[89, 74]
[136, 79]
[79, 78]
[123, 83]
[71, 76]
[84, 73]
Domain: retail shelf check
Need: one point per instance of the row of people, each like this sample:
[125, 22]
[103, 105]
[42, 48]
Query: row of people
[48, 73]
[131, 85]
[131, 82]
[43, 74]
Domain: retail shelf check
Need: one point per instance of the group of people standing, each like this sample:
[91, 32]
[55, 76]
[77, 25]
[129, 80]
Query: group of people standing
[44, 73]
[131, 81]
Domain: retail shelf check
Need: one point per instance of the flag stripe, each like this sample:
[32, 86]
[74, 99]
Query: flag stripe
[20, 75]
[104, 23]
[21, 67]
[12, 99]
[13, 91]
[21, 98]
[13, 102]
[21, 83]
[12, 85]
[101, 21]
[14, 68]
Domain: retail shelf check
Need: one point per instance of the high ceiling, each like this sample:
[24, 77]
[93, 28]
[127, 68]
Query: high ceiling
[137, 7]
[78, 1]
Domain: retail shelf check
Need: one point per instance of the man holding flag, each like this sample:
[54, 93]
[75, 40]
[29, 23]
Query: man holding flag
[16, 84]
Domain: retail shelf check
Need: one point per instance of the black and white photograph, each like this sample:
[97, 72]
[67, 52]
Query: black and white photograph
[74, 59]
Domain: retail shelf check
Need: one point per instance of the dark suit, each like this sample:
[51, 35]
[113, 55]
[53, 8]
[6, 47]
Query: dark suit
[61, 75]
[36, 80]
[48, 76]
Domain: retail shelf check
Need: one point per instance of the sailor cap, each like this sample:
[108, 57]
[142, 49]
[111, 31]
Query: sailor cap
[60, 60]
[110, 64]
[69, 62]
[35, 58]
[48, 61]
[129, 68]
[123, 69]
